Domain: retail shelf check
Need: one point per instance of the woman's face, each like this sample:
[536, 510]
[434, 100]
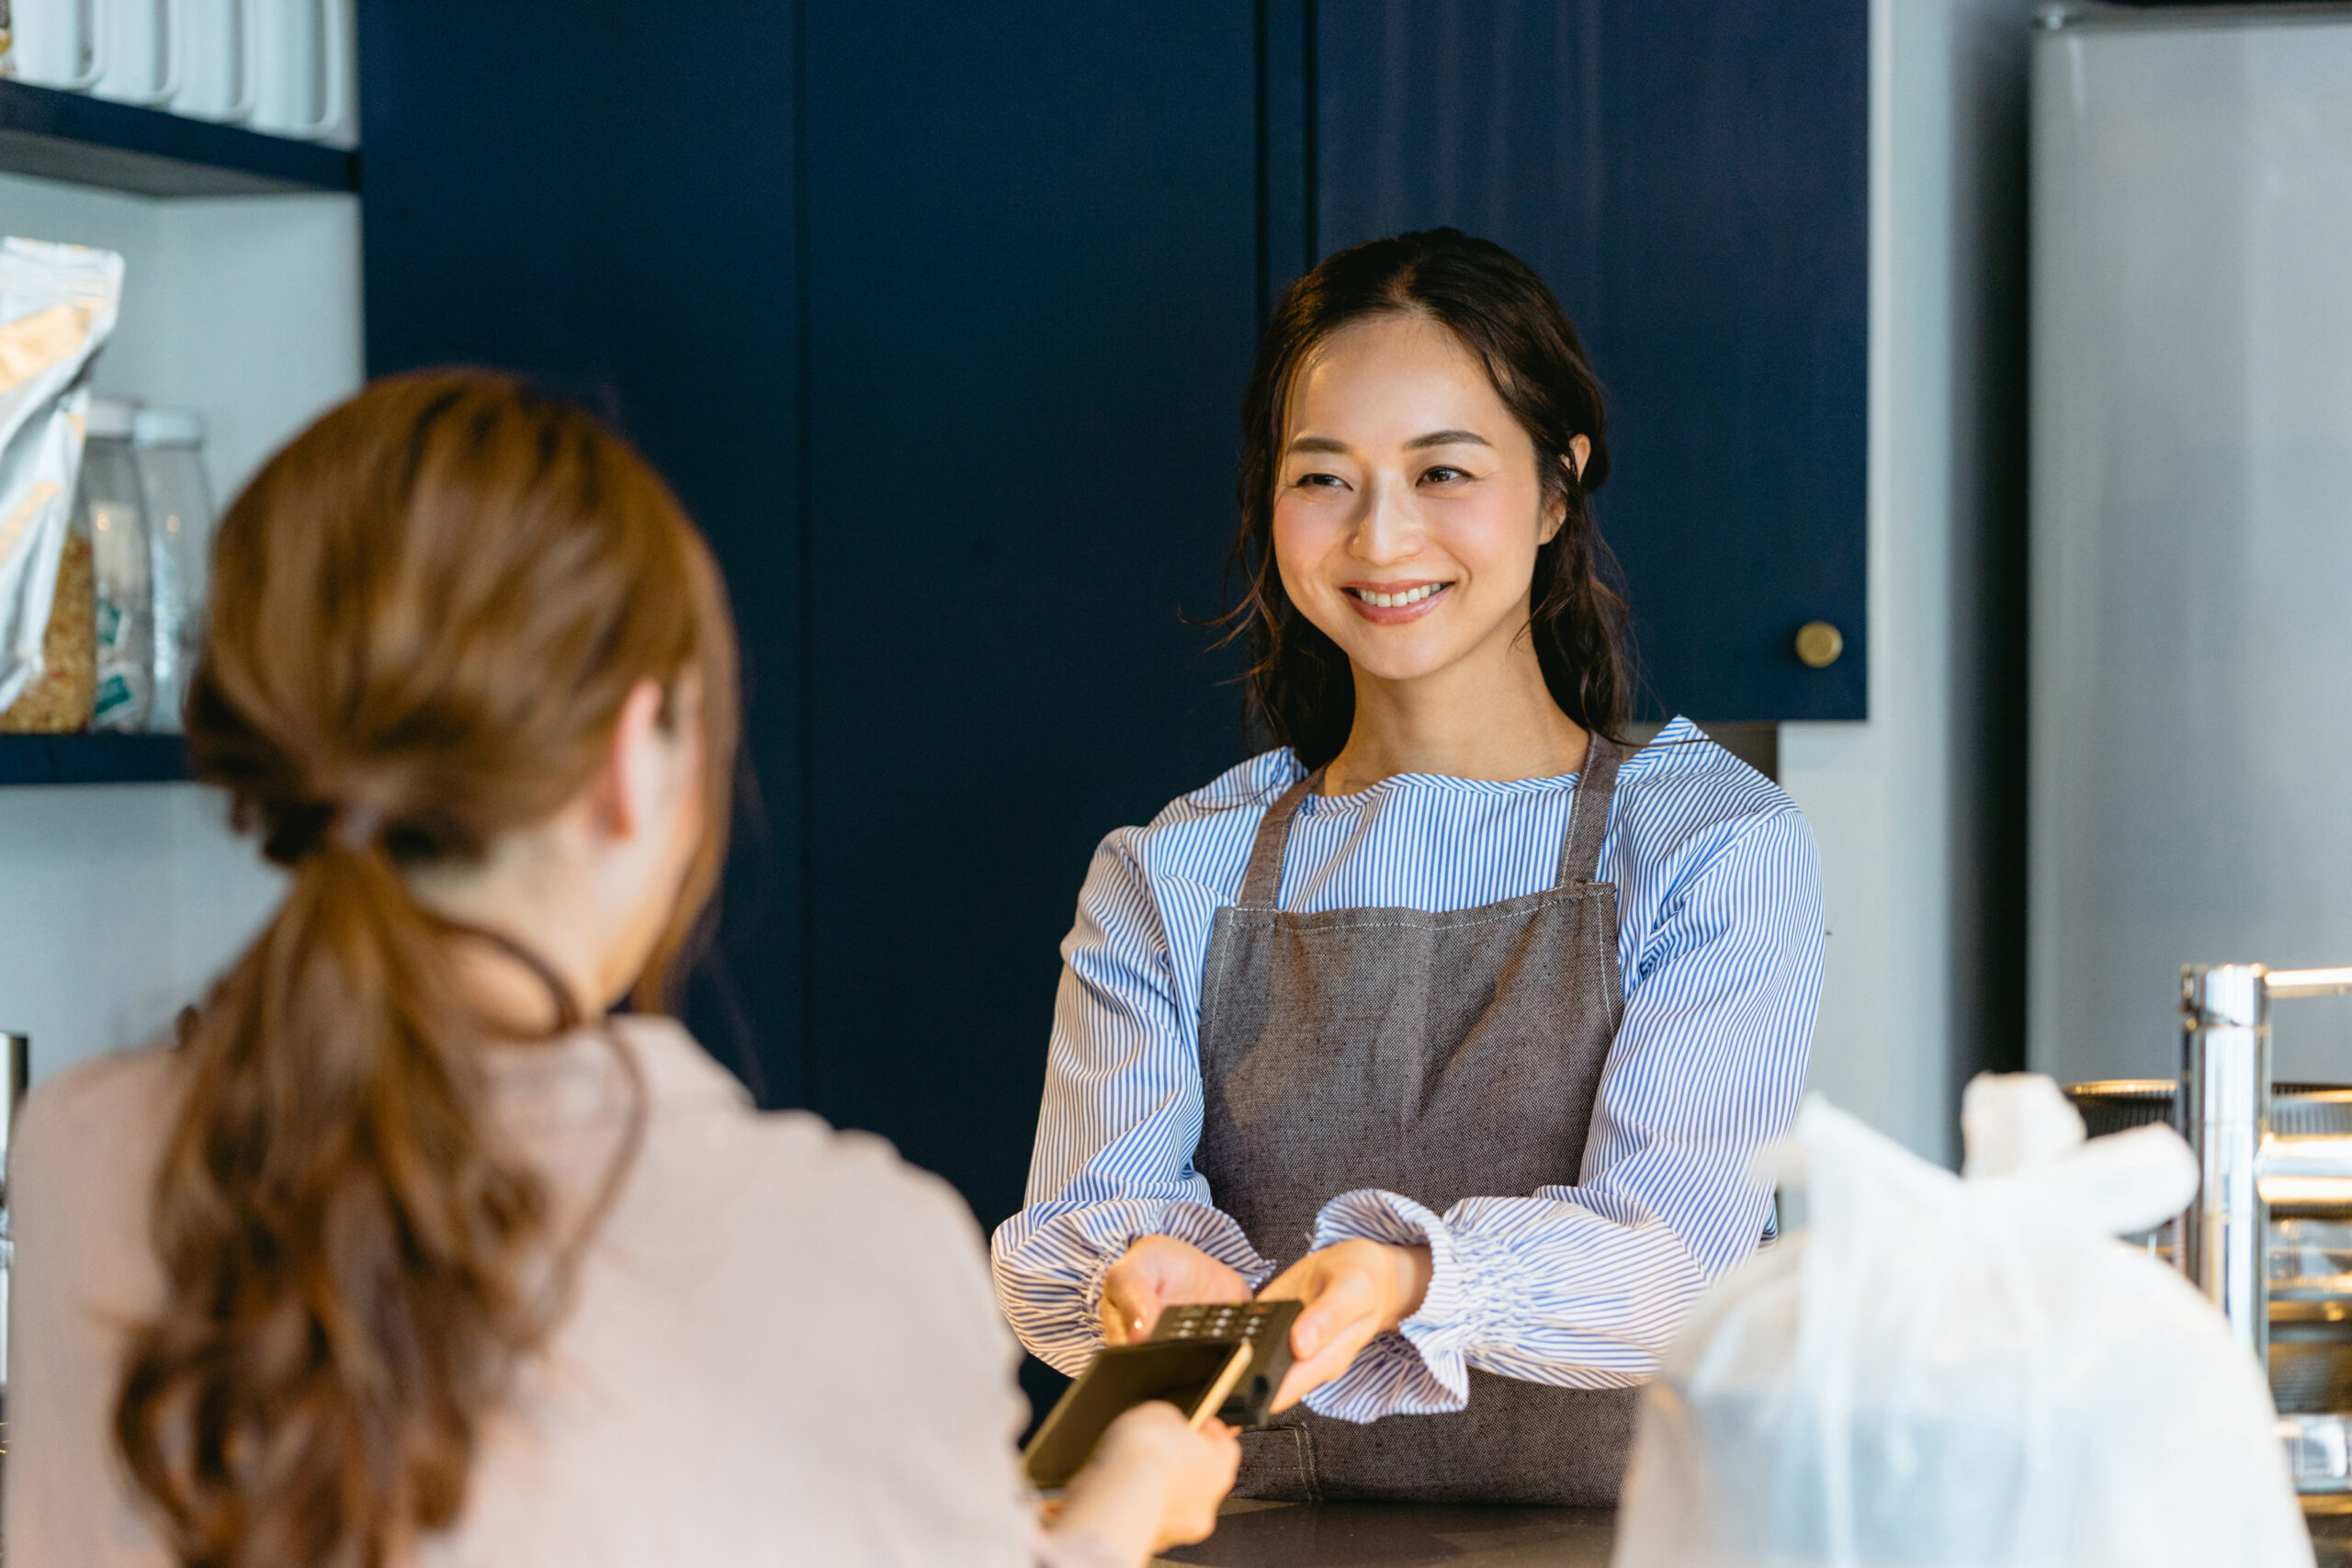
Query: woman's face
[1407, 510]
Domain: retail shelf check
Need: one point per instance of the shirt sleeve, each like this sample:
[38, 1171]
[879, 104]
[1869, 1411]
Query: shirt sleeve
[1580, 1287]
[1120, 1121]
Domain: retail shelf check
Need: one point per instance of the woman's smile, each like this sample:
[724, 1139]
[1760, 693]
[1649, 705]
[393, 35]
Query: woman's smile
[1410, 506]
[1393, 603]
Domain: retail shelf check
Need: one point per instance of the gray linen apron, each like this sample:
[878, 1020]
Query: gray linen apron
[1442, 1056]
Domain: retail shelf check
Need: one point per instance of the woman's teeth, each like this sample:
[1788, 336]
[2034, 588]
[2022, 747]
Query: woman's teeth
[1397, 601]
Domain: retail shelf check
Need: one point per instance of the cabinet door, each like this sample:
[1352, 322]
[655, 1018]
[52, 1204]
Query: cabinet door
[1033, 241]
[937, 317]
[1691, 177]
[600, 194]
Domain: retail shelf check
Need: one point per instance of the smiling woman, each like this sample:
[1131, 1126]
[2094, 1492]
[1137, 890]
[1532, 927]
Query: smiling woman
[1468, 1016]
[1388, 344]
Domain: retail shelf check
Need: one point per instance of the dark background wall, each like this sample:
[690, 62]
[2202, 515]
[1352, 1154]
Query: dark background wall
[937, 315]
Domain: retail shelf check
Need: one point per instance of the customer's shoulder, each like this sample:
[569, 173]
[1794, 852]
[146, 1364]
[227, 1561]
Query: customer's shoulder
[84, 1154]
[852, 1183]
[794, 1159]
[98, 1111]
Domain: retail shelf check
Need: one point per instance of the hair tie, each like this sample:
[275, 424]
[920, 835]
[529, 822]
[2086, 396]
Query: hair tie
[357, 825]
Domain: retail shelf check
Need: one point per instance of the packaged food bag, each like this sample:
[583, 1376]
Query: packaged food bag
[1967, 1371]
[57, 307]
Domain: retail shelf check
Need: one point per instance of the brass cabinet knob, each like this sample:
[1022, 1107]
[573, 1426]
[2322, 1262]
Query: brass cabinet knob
[1819, 644]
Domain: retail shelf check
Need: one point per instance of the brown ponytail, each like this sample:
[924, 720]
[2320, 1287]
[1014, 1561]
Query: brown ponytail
[428, 614]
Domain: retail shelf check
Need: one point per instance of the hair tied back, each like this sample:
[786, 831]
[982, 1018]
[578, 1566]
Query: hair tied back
[358, 825]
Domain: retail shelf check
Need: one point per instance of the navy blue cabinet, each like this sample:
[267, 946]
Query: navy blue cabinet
[938, 316]
[1032, 244]
[1691, 177]
[604, 198]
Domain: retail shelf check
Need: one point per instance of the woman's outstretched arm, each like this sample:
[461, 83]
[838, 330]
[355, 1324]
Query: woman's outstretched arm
[1115, 1135]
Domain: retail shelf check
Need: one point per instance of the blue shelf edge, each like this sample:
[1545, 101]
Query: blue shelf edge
[72, 136]
[92, 759]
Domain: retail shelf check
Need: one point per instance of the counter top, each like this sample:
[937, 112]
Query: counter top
[1398, 1535]
[2331, 1540]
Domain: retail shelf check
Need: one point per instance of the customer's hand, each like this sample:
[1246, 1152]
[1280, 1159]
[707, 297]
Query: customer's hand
[1195, 1466]
[1153, 1483]
[1352, 1289]
[1159, 1271]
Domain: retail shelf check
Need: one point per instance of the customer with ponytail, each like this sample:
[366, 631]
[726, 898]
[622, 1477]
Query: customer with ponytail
[408, 1250]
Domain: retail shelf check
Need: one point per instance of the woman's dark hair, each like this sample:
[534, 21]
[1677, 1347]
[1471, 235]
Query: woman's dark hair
[428, 614]
[1302, 693]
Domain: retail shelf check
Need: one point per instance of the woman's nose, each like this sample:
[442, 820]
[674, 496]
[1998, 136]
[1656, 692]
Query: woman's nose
[1389, 529]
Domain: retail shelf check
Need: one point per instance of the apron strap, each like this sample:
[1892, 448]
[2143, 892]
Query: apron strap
[1579, 860]
[1261, 886]
[1589, 811]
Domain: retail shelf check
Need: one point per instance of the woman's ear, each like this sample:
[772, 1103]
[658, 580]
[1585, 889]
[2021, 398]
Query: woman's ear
[1556, 512]
[629, 781]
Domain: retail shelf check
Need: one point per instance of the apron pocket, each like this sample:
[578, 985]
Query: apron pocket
[1277, 1465]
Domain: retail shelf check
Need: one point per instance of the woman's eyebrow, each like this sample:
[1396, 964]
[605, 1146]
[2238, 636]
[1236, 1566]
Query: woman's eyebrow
[1319, 444]
[1447, 439]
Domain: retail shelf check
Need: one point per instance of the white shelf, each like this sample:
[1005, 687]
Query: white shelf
[125, 898]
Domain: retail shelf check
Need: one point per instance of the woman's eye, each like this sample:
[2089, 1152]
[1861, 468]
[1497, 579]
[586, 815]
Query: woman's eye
[1311, 481]
[1443, 476]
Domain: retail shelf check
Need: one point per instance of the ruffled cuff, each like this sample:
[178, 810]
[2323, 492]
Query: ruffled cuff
[1388, 1377]
[1112, 1228]
[1423, 1368]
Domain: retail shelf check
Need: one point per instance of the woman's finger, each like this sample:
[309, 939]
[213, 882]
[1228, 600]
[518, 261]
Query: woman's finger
[1324, 1319]
[1297, 1383]
[1291, 1284]
[1336, 1300]
[1312, 1372]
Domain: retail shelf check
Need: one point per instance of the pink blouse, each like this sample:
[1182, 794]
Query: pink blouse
[783, 1347]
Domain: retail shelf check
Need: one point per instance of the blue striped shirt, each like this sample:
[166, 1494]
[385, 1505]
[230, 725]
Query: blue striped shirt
[1719, 893]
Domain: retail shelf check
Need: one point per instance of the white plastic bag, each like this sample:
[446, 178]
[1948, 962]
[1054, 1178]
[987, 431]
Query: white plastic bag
[1966, 1372]
[57, 306]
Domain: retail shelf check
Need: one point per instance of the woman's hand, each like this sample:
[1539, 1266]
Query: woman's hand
[1352, 1290]
[1159, 1271]
[1153, 1483]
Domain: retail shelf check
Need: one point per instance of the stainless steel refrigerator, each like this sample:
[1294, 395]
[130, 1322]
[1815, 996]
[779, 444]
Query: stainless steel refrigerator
[2191, 656]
